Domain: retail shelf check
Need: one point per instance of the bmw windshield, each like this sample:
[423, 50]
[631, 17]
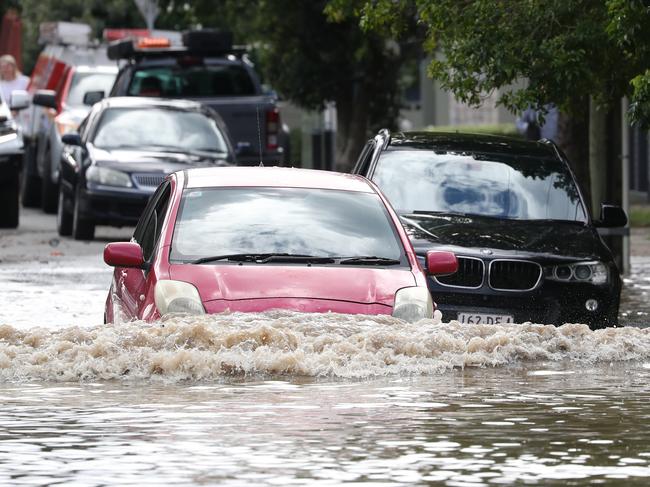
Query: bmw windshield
[308, 224]
[500, 186]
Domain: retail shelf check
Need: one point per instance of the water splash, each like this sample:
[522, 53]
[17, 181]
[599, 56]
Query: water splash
[297, 344]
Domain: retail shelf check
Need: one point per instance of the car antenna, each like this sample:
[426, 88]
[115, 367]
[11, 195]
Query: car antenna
[259, 134]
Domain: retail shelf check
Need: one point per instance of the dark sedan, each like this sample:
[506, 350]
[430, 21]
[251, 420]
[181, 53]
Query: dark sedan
[124, 150]
[513, 214]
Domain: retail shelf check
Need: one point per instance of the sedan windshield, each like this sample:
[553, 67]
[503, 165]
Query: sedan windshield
[509, 187]
[219, 223]
[158, 127]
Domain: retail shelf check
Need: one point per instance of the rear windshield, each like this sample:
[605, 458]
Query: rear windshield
[315, 222]
[85, 82]
[192, 81]
[513, 187]
[158, 128]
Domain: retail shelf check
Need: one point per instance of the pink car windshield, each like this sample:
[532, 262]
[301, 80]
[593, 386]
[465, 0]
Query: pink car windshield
[297, 221]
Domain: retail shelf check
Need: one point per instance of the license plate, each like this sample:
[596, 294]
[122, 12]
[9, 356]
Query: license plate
[484, 319]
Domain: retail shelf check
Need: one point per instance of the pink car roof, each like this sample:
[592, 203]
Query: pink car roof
[213, 177]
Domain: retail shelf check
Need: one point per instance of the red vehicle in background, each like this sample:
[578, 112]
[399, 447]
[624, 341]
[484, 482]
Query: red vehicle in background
[69, 74]
[253, 239]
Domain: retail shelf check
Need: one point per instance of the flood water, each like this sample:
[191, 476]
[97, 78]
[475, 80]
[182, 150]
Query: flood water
[292, 399]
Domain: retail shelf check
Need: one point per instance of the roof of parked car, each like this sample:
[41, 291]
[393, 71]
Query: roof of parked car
[149, 102]
[477, 143]
[275, 177]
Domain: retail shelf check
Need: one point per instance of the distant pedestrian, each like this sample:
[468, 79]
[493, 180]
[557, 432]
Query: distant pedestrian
[10, 78]
[528, 124]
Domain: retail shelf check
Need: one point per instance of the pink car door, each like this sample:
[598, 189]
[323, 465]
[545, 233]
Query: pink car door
[132, 284]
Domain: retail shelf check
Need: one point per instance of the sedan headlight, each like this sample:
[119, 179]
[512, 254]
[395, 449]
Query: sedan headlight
[593, 272]
[177, 297]
[108, 177]
[413, 304]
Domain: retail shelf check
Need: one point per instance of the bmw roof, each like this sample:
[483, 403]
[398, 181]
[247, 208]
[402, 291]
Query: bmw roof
[474, 143]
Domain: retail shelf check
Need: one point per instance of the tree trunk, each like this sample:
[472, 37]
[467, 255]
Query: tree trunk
[598, 156]
[573, 139]
[352, 129]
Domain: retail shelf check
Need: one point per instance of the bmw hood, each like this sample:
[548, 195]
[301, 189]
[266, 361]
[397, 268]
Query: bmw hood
[563, 239]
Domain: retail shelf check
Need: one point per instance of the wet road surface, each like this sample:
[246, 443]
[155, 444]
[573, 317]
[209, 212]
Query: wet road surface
[289, 399]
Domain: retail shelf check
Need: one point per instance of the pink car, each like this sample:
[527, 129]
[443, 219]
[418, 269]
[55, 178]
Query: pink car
[254, 239]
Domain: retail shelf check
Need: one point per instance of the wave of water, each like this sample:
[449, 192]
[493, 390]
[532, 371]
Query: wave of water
[288, 343]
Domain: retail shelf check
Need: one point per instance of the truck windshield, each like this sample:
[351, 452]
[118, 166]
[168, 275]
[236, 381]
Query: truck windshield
[192, 81]
[296, 221]
[512, 187]
[148, 126]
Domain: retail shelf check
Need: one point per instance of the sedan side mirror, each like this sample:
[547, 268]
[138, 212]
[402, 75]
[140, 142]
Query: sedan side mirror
[72, 138]
[19, 100]
[441, 263]
[123, 254]
[45, 98]
[611, 216]
[92, 97]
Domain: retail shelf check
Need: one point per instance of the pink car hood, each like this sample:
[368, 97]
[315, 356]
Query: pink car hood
[268, 282]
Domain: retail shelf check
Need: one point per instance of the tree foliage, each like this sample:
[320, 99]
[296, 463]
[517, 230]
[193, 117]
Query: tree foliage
[312, 55]
[566, 50]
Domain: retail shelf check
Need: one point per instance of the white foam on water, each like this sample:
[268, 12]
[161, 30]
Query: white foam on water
[297, 344]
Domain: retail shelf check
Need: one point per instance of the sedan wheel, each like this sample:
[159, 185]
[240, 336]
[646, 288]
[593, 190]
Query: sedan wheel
[82, 228]
[63, 215]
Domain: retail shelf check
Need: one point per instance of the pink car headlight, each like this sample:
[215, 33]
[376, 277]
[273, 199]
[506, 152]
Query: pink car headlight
[177, 297]
[413, 304]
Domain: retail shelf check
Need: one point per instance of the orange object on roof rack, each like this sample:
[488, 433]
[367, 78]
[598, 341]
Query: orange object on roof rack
[153, 42]
[111, 35]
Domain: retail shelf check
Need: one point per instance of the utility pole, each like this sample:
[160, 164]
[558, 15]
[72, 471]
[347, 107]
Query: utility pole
[149, 10]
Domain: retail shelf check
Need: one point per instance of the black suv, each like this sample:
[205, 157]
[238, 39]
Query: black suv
[513, 214]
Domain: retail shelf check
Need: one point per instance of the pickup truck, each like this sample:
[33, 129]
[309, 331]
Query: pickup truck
[206, 68]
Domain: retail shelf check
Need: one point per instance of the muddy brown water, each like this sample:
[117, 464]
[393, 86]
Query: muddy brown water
[293, 399]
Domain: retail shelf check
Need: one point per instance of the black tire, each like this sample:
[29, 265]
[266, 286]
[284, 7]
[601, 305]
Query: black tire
[49, 190]
[9, 206]
[30, 191]
[82, 228]
[63, 215]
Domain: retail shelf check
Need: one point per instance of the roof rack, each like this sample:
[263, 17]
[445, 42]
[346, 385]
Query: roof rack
[205, 42]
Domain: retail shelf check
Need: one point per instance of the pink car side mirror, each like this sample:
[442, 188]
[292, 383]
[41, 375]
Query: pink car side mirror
[441, 263]
[123, 254]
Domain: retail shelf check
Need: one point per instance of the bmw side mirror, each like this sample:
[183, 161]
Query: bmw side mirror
[124, 254]
[45, 98]
[441, 263]
[92, 97]
[72, 138]
[19, 100]
[611, 216]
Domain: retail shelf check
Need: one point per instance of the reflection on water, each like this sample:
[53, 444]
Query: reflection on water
[286, 398]
[550, 423]
[635, 299]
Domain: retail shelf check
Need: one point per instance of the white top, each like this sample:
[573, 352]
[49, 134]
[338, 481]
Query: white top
[6, 87]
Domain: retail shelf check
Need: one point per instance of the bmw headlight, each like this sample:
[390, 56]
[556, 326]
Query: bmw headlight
[177, 297]
[594, 272]
[413, 304]
[108, 177]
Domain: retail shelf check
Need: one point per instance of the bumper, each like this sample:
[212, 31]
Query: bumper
[551, 303]
[10, 164]
[113, 206]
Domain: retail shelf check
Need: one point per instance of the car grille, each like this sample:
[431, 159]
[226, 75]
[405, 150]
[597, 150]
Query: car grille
[470, 274]
[148, 180]
[514, 275]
